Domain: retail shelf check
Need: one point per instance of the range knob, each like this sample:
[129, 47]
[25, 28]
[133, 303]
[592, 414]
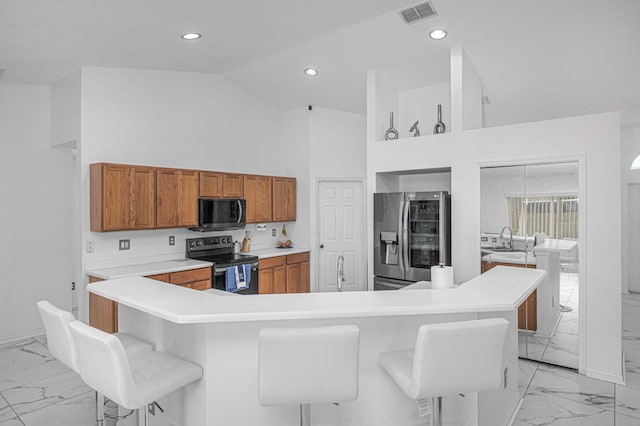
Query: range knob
[224, 240]
[198, 243]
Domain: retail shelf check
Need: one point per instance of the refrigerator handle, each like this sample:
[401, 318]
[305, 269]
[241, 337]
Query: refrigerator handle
[405, 235]
[401, 233]
[443, 228]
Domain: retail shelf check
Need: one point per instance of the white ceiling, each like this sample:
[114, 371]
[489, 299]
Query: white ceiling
[537, 60]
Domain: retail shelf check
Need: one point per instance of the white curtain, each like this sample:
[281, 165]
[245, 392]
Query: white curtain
[554, 215]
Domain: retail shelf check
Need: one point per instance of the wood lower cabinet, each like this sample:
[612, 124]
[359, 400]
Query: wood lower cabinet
[285, 274]
[177, 198]
[527, 311]
[103, 313]
[272, 276]
[122, 197]
[257, 193]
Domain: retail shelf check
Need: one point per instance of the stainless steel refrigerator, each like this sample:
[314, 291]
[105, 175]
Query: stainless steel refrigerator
[412, 233]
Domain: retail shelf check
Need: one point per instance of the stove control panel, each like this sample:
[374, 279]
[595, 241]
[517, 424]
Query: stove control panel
[195, 244]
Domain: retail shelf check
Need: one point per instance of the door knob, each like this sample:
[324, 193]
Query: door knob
[321, 245]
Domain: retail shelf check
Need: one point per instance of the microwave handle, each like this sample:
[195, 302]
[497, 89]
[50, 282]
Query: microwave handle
[241, 212]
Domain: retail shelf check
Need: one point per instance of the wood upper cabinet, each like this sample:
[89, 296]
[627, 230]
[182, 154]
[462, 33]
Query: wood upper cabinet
[177, 198]
[232, 185]
[257, 193]
[284, 199]
[211, 184]
[277, 200]
[122, 197]
[290, 199]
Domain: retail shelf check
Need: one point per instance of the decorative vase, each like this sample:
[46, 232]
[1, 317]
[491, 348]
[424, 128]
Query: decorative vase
[391, 133]
[439, 127]
[415, 130]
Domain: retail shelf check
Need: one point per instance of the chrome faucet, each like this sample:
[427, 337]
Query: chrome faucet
[340, 277]
[510, 235]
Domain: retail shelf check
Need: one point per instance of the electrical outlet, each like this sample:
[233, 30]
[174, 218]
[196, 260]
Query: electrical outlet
[124, 244]
[273, 232]
[73, 285]
[261, 227]
[506, 376]
[90, 246]
[172, 240]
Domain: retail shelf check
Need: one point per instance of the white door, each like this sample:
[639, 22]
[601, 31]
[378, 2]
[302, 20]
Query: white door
[633, 257]
[340, 228]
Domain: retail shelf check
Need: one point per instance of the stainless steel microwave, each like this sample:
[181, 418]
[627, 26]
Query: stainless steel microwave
[217, 214]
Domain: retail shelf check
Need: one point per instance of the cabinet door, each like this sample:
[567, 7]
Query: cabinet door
[293, 278]
[232, 185]
[290, 199]
[143, 197]
[210, 184]
[159, 277]
[265, 281]
[263, 213]
[277, 199]
[187, 198]
[167, 198]
[305, 278]
[279, 279]
[251, 197]
[110, 197]
[177, 198]
[103, 312]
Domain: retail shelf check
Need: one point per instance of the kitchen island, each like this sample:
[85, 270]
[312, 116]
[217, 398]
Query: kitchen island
[221, 334]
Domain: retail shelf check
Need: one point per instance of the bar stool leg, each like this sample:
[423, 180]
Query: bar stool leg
[99, 408]
[143, 416]
[436, 411]
[305, 414]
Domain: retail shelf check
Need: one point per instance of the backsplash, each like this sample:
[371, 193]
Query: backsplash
[153, 245]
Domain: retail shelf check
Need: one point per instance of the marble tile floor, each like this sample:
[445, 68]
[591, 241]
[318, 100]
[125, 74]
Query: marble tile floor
[37, 390]
[562, 348]
[556, 396]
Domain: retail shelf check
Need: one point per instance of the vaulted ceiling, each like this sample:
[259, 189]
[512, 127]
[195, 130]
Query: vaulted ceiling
[537, 60]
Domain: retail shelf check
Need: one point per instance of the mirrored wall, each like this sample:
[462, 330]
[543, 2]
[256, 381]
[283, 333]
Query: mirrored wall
[529, 219]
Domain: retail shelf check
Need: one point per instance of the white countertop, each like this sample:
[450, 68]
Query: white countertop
[500, 289]
[520, 258]
[275, 251]
[553, 245]
[142, 269]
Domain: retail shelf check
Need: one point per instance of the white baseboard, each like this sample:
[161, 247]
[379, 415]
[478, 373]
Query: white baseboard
[617, 379]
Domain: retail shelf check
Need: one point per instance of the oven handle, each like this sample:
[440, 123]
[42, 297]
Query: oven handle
[220, 271]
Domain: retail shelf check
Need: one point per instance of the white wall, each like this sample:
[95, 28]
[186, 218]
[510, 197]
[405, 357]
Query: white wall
[595, 141]
[337, 146]
[472, 114]
[35, 217]
[65, 111]
[172, 119]
[422, 104]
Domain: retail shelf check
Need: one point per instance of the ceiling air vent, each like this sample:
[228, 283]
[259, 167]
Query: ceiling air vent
[418, 12]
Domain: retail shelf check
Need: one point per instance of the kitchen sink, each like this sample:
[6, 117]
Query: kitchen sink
[501, 249]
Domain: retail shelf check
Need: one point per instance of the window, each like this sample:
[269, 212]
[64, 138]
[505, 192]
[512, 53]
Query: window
[554, 215]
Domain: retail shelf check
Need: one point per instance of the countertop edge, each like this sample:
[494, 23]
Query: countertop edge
[104, 274]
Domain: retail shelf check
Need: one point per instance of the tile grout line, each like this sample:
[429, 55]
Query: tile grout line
[11, 408]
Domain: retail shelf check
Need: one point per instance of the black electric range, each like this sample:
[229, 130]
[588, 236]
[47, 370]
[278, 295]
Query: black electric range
[219, 251]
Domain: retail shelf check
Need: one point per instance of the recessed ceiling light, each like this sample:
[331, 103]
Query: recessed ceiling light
[191, 36]
[438, 34]
[311, 72]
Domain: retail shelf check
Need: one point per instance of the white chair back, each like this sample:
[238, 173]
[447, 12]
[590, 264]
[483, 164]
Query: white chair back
[103, 362]
[456, 357]
[59, 339]
[308, 365]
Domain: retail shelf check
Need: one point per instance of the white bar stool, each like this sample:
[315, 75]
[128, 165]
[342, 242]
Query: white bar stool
[303, 366]
[62, 346]
[449, 359]
[132, 383]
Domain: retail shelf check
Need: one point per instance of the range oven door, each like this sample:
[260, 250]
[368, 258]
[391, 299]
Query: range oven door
[219, 279]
